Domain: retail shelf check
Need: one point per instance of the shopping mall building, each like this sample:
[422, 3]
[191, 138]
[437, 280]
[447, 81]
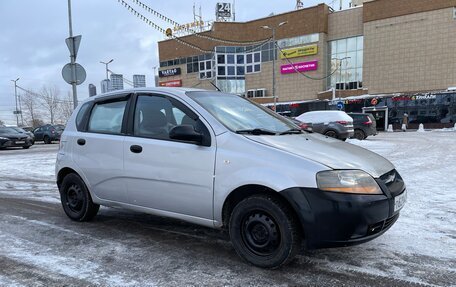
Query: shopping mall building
[387, 56]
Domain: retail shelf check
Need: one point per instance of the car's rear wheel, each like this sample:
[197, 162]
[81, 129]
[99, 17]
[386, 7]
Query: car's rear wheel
[264, 231]
[76, 200]
[331, 134]
[26, 147]
[359, 135]
[47, 140]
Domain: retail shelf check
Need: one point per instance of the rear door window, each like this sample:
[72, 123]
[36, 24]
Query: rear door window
[107, 117]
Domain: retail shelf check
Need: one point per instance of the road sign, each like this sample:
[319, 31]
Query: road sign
[80, 74]
[17, 112]
[73, 44]
[340, 105]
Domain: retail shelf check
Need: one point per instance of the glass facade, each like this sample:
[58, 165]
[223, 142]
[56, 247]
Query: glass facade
[346, 54]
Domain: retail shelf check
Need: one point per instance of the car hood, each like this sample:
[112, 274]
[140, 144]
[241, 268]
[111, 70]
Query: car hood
[333, 153]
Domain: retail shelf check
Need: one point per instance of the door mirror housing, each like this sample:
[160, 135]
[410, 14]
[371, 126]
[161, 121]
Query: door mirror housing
[186, 133]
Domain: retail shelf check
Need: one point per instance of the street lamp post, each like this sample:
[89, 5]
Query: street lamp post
[273, 61]
[106, 64]
[15, 97]
[155, 70]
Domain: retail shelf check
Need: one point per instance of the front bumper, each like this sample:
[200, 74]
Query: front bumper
[15, 143]
[331, 219]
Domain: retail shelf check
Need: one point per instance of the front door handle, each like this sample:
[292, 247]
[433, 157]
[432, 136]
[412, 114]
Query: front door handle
[81, 141]
[136, 148]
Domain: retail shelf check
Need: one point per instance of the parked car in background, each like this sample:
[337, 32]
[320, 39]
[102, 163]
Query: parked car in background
[48, 133]
[364, 125]
[304, 126]
[29, 133]
[258, 176]
[335, 124]
[9, 137]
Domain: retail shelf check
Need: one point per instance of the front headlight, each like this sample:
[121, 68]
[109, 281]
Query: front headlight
[347, 181]
[4, 139]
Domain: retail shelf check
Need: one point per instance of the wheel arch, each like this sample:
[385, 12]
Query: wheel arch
[64, 172]
[245, 191]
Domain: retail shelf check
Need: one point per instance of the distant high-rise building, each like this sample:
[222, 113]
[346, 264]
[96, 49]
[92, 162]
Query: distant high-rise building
[139, 81]
[105, 86]
[116, 82]
[92, 90]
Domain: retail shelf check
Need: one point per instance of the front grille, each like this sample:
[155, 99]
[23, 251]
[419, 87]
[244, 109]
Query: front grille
[382, 225]
[393, 182]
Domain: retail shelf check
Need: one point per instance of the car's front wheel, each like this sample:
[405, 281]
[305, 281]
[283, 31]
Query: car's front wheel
[76, 200]
[264, 231]
[47, 140]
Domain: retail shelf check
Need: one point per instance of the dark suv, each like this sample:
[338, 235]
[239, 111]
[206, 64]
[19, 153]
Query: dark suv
[364, 124]
[48, 133]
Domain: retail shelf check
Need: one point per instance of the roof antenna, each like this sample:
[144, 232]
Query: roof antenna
[218, 89]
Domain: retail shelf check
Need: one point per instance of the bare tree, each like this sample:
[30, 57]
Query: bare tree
[30, 102]
[65, 108]
[50, 101]
[1, 123]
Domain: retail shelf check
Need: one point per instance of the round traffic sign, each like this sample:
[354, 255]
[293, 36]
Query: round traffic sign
[80, 74]
[340, 105]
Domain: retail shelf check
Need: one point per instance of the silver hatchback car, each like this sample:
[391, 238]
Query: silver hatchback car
[221, 161]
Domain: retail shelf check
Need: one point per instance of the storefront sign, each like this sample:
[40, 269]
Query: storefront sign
[299, 52]
[174, 83]
[300, 67]
[169, 72]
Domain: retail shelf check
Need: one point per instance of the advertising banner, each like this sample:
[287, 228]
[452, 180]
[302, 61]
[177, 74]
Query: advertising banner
[301, 67]
[169, 72]
[174, 83]
[299, 51]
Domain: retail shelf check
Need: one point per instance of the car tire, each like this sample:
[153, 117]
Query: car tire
[331, 134]
[359, 135]
[47, 140]
[76, 200]
[264, 231]
[26, 147]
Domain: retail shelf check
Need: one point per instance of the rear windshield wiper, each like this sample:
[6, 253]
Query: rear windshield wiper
[256, 132]
[291, 131]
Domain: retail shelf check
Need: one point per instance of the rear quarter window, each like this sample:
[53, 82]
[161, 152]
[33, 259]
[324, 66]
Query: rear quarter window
[82, 116]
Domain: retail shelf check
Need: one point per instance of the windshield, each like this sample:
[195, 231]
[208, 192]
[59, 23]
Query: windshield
[239, 114]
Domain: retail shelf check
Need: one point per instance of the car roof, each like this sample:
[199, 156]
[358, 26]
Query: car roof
[173, 90]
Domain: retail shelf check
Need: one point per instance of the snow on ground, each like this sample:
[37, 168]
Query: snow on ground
[29, 172]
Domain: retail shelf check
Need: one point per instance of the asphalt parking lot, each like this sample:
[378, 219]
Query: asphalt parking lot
[40, 246]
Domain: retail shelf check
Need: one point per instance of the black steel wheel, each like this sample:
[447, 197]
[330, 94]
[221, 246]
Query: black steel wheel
[47, 140]
[264, 231]
[359, 135]
[331, 134]
[76, 200]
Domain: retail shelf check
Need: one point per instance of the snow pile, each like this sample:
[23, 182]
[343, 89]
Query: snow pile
[420, 128]
[324, 117]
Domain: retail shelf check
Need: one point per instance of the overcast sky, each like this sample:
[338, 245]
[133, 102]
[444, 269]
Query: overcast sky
[32, 42]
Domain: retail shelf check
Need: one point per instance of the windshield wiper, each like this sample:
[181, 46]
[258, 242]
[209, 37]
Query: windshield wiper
[256, 132]
[291, 131]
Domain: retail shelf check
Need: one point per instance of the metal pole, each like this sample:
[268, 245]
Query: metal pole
[107, 77]
[273, 71]
[15, 96]
[340, 71]
[20, 108]
[73, 60]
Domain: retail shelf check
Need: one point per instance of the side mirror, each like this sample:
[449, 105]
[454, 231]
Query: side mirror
[186, 133]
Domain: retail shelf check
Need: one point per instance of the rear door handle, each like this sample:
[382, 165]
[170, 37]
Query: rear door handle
[81, 141]
[136, 148]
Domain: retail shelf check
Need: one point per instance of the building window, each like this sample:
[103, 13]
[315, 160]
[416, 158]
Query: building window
[346, 55]
[253, 64]
[206, 69]
[192, 64]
